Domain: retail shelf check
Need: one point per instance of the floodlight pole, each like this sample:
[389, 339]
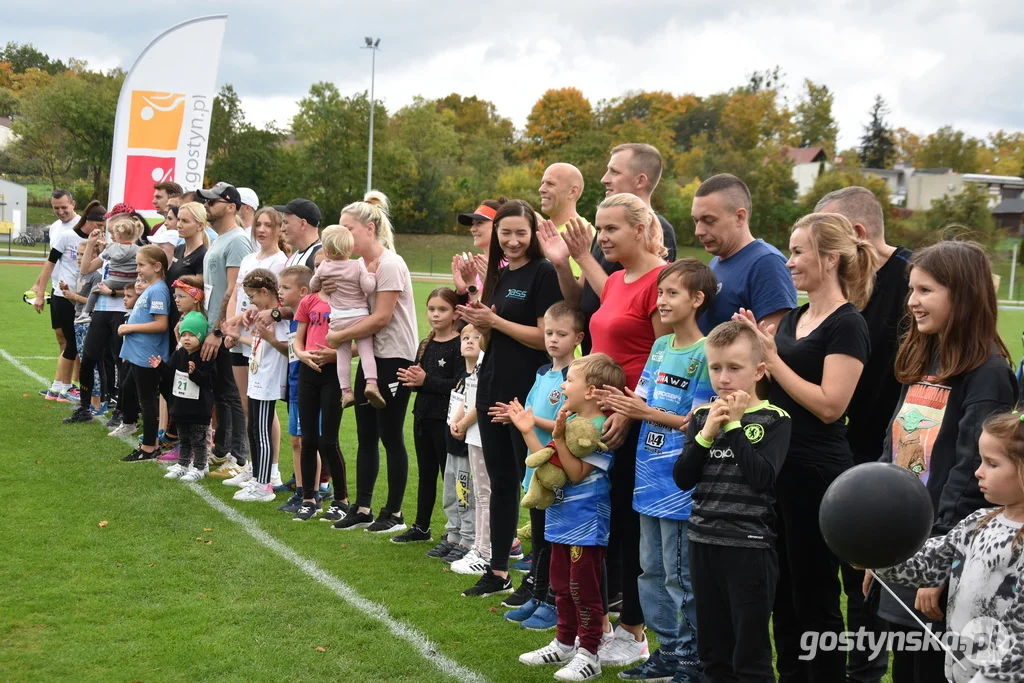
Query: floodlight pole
[373, 46]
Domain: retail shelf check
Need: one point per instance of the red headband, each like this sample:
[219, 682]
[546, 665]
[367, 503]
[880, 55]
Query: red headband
[193, 292]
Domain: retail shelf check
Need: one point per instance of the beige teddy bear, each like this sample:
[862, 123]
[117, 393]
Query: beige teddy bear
[582, 437]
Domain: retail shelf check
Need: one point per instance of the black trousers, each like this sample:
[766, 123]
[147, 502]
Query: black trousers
[624, 542]
[320, 417]
[808, 593]
[387, 426]
[540, 570]
[734, 589]
[861, 665]
[918, 667]
[505, 458]
[231, 435]
[102, 345]
[146, 381]
[431, 455]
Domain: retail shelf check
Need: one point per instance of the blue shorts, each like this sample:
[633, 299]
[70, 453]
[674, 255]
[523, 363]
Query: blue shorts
[294, 428]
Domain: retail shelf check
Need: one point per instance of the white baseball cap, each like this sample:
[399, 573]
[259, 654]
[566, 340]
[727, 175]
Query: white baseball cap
[164, 237]
[249, 197]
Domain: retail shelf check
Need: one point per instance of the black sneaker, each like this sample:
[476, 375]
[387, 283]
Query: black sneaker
[81, 414]
[336, 512]
[441, 549]
[413, 535]
[139, 455]
[292, 505]
[115, 419]
[522, 596]
[307, 511]
[488, 585]
[615, 604]
[354, 520]
[456, 553]
[387, 523]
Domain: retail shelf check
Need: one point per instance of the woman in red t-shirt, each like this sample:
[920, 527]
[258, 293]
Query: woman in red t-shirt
[625, 327]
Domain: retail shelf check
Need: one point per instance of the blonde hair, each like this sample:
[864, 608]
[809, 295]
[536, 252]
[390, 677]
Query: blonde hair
[155, 254]
[374, 209]
[599, 370]
[833, 233]
[277, 221]
[638, 213]
[125, 226]
[198, 213]
[337, 241]
[470, 329]
[1008, 428]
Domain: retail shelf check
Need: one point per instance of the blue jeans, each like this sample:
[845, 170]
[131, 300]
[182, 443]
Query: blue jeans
[665, 593]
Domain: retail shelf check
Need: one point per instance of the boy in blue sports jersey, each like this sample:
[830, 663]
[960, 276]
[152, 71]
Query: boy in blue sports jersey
[673, 383]
[563, 333]
[578, 523]
[734, 450]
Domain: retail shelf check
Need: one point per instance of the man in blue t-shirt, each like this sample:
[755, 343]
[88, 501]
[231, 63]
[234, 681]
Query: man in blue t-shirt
[751, 273]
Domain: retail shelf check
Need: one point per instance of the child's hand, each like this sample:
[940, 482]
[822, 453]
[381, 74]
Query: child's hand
[737, 403]
[927, 602]
[412, 376]
[521, 417]
[95, 234]
[122, 330]
[499, 413]
[191, 366]
[628, 403]
[154, 362]
[558, 433]
[63, 286]
[456, 432]
[718, 417]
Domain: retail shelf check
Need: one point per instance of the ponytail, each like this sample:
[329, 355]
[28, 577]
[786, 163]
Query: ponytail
[859, 279]
[832, 233]
[375, 208]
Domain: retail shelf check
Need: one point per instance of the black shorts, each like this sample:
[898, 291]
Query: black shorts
[62, 314]
[238, 360]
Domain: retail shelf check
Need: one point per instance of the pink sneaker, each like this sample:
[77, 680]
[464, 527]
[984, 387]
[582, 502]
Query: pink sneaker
[171, 455]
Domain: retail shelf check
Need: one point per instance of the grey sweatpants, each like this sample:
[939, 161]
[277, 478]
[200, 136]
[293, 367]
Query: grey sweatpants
[459, 501]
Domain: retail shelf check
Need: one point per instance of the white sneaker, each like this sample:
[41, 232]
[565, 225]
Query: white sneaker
[552, 653]
[192, 474]
[472, 563]
[242, 478]
[124, 429]
[256, 493]
[175, 471]
[621, 649]
[583, 667]
[275, 479]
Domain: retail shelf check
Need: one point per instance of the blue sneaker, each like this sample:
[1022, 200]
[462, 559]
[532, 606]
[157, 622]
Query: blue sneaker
[286, 486]
[656, 668]
[516, 551]
[544, 618]
[99, 412]
[521, 614]
[525, 564]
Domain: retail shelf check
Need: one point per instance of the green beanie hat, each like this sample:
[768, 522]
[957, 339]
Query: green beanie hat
[194, 323]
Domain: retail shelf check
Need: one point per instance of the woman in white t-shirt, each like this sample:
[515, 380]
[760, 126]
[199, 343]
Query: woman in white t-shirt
[392, 322]
[268, 236]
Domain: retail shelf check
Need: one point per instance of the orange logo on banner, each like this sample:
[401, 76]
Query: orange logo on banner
[156, 119]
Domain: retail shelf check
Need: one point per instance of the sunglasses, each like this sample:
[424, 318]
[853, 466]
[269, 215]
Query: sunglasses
[211, 202]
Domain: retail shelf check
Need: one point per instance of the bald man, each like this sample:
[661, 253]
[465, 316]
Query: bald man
[560, 189]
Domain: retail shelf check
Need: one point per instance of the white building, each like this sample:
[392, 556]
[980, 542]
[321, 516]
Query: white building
[6, 134]
[808, 164]
[13, 208]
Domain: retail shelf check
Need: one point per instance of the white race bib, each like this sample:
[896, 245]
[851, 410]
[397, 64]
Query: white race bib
[184, 387]
[292, 358]
[207, 293]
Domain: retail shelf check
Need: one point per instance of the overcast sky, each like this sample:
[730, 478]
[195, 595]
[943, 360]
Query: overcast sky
[936, 62]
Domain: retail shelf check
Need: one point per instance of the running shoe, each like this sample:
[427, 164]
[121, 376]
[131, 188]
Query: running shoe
[516, 552]
[256, 492]
[441, 549]
[522, 595]
[387, 523]
[241, 479]
[336, 512]
[455, 554]
[175, 471]
[471, 563]
[115, 419]
[307, 511]
[124, 430]
[193, 474]
[171, 454]
[286, 486]
[552, 653]
[544, 618]
[583, 667]
[81, 415]
[622, 649]
[292, 505]
[139, 455]
[525, 564]
[354, 520]
[413, 535]
[523, 612]
[488, 585]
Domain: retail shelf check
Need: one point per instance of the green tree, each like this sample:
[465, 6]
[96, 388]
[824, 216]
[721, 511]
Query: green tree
[949, 148]
[255, 159]
[877, 147]
[8, 102]
[520, 182]
[24, 57]
[226, 123]
[556, 119]
[967, 214]
[838, 178]
[814, 120]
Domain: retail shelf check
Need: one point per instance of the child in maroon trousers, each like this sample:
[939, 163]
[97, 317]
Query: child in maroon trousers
[577, 523]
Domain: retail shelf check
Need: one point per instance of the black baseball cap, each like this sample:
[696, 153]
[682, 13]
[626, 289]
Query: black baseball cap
[221, 191]
[304, 209]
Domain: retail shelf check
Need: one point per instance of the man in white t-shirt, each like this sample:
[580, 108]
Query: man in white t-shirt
[63, 205]
[250, 203]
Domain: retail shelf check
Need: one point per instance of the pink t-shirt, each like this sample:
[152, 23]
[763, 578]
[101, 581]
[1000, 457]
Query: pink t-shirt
[622, 326]
[316, 313]
[354, 282]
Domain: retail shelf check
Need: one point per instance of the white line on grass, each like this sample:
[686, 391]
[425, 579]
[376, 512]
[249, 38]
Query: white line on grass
[34, 357]
[426, 648]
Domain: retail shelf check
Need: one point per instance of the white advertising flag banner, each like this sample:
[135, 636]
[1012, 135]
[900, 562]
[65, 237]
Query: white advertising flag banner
[162, 124]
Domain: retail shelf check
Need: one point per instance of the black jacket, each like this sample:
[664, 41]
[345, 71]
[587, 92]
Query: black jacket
[190, 411]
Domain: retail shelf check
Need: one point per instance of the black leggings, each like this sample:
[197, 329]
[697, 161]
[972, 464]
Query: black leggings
[261, 447]
[624, 542]
[431, 455]
[320, 410]
[146, 381]
[102, 344]
[540, 570]
[505, 458]
[384, 426]
[62, 317]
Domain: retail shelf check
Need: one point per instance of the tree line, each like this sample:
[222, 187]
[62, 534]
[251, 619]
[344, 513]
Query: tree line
[438, 157]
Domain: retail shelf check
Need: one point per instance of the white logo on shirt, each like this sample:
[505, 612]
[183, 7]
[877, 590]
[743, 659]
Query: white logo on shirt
[441, 362]
[157, 305]
[719, 453]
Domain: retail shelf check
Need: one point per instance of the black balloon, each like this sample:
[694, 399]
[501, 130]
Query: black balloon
[876, 515]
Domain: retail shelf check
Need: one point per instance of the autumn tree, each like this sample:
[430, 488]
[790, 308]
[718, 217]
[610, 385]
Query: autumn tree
[837, 179]
[557, 118]
[25, 57]
[1004, 153]
[965, 214]
[907, 147]
[949, 148]
[877, 148]
[814, 121]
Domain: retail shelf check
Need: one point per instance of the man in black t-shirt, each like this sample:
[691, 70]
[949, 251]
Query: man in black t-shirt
[634, 168]
[878, 391]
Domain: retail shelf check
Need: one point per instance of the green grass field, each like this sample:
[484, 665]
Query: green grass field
[112, 573]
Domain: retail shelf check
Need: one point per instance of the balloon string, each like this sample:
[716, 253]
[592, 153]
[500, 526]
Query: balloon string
[927, 629]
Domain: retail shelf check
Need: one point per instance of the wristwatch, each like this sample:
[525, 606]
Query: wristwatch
[275, 313]
[217, 333]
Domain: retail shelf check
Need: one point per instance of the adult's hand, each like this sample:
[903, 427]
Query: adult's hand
[478, 315]
[40, 301]
[765, 334]
[578, 237]
[103, 289]
[328, 286]
[480, 264]
[463, 271]
[616, 428]
[551, 243]
[211, 347]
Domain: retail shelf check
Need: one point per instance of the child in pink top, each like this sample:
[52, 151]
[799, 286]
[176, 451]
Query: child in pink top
[348, 306]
